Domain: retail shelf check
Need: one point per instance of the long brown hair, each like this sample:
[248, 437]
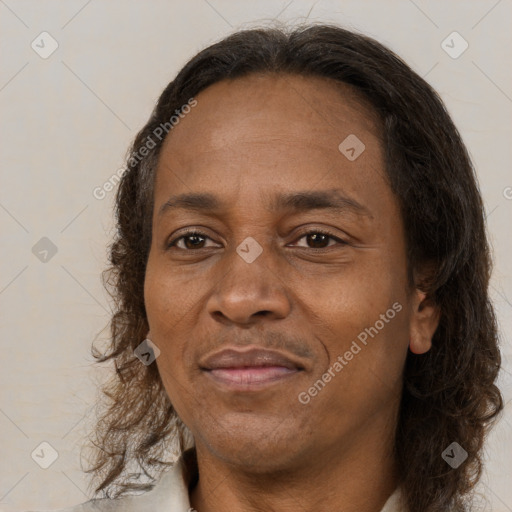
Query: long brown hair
[449, 393]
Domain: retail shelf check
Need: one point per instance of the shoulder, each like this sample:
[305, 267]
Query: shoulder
[141, 503]
[170, 494]
[125, 504]
[103, 505]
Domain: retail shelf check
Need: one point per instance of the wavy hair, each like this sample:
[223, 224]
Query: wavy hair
[449, 393]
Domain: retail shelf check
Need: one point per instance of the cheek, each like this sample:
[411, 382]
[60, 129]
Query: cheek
[363, 324]
[169, 298]
[163, 313]
[161, 296]
[372, 356]
[173, 380]
[348, 304]
[172, 303]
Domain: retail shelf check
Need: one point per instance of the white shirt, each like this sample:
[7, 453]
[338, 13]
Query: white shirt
[170, 494]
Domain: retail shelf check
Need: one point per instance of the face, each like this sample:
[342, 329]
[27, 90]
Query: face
[279, 302]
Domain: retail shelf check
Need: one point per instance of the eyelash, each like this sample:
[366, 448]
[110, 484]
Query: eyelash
[191, 233]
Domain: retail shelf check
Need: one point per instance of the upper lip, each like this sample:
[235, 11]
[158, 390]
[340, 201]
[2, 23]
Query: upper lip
[252, 357]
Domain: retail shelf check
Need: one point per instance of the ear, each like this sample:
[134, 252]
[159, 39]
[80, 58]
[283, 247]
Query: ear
[424, 321]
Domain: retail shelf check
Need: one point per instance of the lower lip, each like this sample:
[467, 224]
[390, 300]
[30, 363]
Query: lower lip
[249, 378]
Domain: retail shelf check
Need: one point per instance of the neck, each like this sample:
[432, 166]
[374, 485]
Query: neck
[357, 477]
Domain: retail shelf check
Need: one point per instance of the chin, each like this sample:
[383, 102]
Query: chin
[261, 445]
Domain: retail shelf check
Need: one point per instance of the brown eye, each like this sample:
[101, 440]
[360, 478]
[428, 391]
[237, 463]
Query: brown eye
[320, 239]
[195, 240]
[192, 240]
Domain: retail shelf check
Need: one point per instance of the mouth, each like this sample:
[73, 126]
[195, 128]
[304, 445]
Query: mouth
[251, 369]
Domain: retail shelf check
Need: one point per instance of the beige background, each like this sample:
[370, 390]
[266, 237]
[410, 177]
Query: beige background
[66, 123]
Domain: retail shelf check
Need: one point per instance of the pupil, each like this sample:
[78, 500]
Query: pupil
[316, 237]
[190, 237]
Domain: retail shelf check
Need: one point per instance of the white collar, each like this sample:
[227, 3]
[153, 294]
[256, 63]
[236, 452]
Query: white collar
[171, 494]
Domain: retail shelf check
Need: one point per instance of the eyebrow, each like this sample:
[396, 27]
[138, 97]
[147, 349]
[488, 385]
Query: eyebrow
[303, 201]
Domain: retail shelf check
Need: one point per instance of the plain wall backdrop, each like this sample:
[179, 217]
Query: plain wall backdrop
[67, 120]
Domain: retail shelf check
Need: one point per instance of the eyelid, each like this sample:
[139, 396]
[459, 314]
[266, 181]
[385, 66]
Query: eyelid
[197, 232]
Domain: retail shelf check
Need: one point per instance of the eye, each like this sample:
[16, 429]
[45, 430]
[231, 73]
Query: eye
[319, 237]
[195, 240]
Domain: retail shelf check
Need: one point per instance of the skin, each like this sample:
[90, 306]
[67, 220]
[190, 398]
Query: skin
[245, 141]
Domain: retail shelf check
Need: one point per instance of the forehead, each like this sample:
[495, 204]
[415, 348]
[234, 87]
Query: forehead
[263, 132]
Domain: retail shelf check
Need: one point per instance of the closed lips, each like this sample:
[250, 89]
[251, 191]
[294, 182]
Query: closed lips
[254, 358]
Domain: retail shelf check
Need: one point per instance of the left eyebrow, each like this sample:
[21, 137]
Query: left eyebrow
[302, 201]
[331, 199]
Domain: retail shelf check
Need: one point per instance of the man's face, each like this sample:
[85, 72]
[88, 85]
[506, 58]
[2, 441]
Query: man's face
[265, 277]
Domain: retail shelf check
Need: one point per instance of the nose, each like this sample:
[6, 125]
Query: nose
[247, 292]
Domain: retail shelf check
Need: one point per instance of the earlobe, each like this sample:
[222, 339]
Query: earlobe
[420, 346]
[424, 322]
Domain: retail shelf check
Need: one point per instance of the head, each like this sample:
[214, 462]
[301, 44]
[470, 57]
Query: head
[304, 192]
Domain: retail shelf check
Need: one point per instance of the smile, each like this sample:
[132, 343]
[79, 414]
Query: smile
[252, 377]
[248, 370]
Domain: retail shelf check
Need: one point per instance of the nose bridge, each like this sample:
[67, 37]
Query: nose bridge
[251, 263]
[250, 283]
